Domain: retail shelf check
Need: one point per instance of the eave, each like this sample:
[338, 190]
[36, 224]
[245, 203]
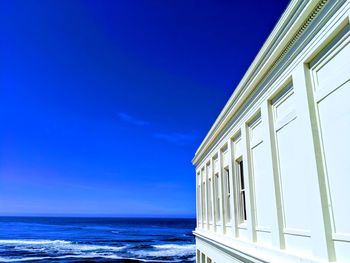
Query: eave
[297, 12]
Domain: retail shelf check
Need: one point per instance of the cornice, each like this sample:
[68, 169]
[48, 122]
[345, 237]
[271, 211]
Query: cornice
[289, 29]
[243, 256]
[246, 251]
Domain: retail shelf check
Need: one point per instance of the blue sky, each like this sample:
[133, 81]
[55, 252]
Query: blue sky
[103, 103]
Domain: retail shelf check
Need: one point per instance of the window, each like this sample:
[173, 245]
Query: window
[241, 191]
[204, 202]
[210, 200]
[217, 195]
[199, 202]
[227, 194]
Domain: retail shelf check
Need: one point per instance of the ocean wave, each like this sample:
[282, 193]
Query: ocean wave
[176, 246]
[88, 256]
[57, 246]
[176, 239]
[169, 250]
[63, 249]
[32, 242]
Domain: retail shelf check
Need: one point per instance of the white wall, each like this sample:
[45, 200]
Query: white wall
[295, 143]
[294, 183]
[331, 88]
[263, 182]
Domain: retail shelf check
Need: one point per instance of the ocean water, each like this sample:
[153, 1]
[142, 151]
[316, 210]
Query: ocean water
[48, 239]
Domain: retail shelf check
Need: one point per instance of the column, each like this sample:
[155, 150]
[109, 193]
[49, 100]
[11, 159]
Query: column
[213, 195]
[272, 168]
[197, 199]
[232, 189]
[322, 243]
[221, 192]
[205, 199]
[201, 196]
[207, 193]
[248, 182]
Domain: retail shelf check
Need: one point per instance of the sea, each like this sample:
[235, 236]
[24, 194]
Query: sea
[63, 239]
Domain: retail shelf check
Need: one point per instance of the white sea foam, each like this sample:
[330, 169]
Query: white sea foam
[33, 242]
[67, 249]
[168, 250]
[83, 247]
[3, 259]
[176, 246]
[61, 246]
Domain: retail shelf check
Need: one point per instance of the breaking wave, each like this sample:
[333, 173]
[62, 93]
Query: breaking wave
[66, 249]
[103, 240]
[61, 245]
[79, 257]
[169, 250]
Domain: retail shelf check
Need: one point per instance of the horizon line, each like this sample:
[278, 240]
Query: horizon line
[101, 216]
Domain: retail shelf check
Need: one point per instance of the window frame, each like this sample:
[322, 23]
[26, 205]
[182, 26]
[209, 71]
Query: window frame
[241, 192]
[227, 194]
[218, 215]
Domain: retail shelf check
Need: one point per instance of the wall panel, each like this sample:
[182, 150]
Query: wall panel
[291, 164]
[263, 183]
[331, 80]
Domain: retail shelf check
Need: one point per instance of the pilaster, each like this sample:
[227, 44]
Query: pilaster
[212, 194]
[322, 244]
[271, 168]
[221, 192]
[248, 185]
[232, 189]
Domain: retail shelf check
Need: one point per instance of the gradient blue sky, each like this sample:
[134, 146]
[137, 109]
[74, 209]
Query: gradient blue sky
[103, 103]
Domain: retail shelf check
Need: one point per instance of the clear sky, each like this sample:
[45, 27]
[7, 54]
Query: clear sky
[103, 103]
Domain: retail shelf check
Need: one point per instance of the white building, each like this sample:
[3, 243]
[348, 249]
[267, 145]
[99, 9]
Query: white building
[273, 172]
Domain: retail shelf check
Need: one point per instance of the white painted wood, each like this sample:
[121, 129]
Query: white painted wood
[335, 129]
[238, 148]
[262, 184]
[233, 199]
[210, 194]
[320, 242]
[271, 167]
[204, 199]
[218, 197]
[296, 161]
[198, 199]
[333, 72]
[221, 203]
[248, 185]
[201, 196]
[333, 110]
[216, 165]
[226, 158]
[290, 166]
[214, 196]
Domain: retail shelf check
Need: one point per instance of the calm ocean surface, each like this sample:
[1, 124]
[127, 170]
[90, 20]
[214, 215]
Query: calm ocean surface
[45, 239]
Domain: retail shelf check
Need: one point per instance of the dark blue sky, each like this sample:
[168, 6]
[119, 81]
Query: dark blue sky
[103, 103]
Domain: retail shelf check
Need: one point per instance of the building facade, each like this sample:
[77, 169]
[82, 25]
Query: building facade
[273, 172]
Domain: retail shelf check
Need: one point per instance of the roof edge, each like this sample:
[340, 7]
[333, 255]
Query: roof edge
[268, 54]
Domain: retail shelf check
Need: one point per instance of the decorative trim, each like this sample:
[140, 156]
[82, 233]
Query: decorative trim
[237, 254]
[241, 250]
[281, 62]
[301, 30]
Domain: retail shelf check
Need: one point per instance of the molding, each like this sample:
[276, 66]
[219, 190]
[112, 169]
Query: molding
[249, 252]
[237, 254]
[299, 23]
